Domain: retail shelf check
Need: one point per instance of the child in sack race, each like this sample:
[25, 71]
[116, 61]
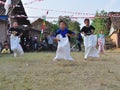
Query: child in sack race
[62, 37]
[90, 40]
[15, 36]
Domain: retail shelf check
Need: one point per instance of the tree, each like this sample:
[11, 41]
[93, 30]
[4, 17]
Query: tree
[72, 25]
[54, 27]
[66, 19]
[100, 23]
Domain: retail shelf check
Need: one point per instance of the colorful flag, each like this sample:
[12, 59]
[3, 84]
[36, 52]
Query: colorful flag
[43, 24]
[47, 12]
[43, 27]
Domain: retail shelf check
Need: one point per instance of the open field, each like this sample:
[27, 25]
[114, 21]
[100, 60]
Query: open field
[37, 71]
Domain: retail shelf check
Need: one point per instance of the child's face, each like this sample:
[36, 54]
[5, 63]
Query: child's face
[102, 32]
[15, 24]
[87, 23]
[6, 47]
[62, 26]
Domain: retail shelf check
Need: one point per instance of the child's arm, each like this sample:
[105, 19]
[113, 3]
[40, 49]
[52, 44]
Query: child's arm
[70, 33]
[56, 39]
[3, 51]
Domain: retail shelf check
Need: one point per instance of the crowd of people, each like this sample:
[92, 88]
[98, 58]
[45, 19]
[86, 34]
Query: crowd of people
[35, 44]
[61, 37]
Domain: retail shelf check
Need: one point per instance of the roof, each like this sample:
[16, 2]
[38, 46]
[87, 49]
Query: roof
[37, 24]
[115, 21]
[2, 10]
[16, 11]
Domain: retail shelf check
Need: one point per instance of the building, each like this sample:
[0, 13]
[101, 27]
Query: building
[15, 14]
[114, 26]
[38, 25]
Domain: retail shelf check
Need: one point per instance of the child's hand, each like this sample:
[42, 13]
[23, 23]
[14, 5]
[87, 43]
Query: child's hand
[68, 34]
[56, 39]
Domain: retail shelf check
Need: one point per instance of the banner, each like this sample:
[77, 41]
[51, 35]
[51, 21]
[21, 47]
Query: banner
[3, 17]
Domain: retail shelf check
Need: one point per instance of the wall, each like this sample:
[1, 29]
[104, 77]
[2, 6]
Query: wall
[114, 38]
[3, 31]
[119, 38]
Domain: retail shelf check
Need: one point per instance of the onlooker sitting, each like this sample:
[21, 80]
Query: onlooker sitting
[6, 49]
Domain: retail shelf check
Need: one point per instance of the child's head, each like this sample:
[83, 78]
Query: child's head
[62, 25]
[5, 42]
[6, 46]
[15, 24]
[87, 22]
[101, 31]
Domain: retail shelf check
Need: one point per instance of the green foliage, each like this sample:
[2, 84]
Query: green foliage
[100, 23]
[72, 25]
[54, 27]
[67, 19]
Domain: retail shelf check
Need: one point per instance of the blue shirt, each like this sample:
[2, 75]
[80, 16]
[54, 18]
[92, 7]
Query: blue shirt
[64, 32]
[101, 36]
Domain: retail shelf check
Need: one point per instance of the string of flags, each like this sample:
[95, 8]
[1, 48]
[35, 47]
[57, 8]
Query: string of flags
[48, 17]
[31, 2]
[73, 17]
[83, 15]
[58, 11]
[77, 15]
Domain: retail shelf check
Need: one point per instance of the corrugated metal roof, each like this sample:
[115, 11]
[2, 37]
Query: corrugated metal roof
[2, 10]
[16, 11]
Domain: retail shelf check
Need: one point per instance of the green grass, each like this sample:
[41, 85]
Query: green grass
[37, 71]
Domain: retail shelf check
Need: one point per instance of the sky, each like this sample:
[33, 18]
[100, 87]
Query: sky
[82, 6]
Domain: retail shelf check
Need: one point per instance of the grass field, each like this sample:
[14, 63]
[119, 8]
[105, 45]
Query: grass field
[37, 71]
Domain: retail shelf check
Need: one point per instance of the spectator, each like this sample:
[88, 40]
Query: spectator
[50, 41]
[6, 49]
[79, 41]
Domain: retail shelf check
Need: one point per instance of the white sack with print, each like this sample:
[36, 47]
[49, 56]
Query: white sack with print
[15, 45]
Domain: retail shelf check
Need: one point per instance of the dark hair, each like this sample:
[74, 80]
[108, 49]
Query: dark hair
[6, 41]
[86, 20]
[61, 21]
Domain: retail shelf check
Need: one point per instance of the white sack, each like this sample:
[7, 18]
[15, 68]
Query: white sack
[63, 49]
[90, 43]
[15, 45]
